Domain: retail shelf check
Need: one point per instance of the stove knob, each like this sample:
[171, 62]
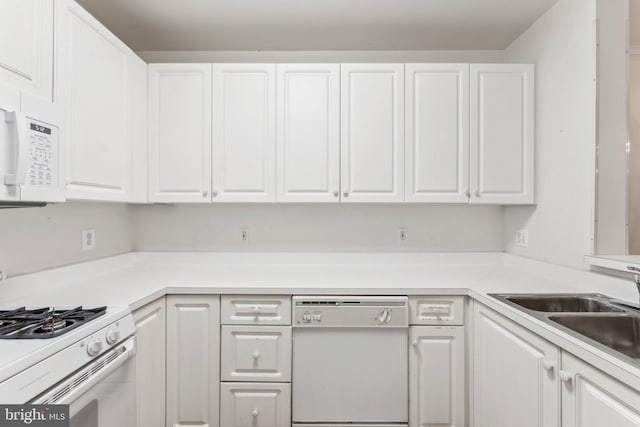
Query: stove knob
[94, 348]
[113, 336]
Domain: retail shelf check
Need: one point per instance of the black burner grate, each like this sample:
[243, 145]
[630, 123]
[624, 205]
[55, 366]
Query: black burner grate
[44, 323]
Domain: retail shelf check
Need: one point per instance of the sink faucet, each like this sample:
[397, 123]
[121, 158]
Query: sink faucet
[636, 278]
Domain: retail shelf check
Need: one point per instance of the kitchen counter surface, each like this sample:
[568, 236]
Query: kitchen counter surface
[136, 279]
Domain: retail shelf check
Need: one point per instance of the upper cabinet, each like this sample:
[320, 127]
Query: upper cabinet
[437, 133]
[244, 133]
[26, 53]
[96, 80]
[308, 133]
[502, 134]
[372, 132]
[180, 133]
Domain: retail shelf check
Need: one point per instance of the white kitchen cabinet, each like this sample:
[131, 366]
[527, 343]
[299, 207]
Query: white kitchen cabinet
[255, 310]
[256, 353]
[180, 133]
[151, 363]
[255, 405]
[96, 75]
[515, 374]
[502, 133]
[244, 133]
[437, 133]
[26, 50]
[193, 360]
[372, 132]
[308, 133]
[591, 398]
[437, 376]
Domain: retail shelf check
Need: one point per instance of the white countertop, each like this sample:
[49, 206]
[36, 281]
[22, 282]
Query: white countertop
[138, 278]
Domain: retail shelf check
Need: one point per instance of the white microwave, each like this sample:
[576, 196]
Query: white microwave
[31, 169]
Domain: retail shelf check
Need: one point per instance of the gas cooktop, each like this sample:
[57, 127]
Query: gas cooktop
[44, 322]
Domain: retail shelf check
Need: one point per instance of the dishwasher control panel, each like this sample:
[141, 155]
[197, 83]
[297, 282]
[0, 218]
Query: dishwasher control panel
[341, 311]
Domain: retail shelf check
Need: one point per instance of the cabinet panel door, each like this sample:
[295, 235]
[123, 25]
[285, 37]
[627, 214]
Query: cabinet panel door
[437, 377]
[502, 133]
[256, 353]
[511, 385]
[594, 399]
[26, 50]
[372, 132]
[151, 363]
[139, 96]
[255, 405]
[437, 133]
[93, 77]
[244, 133]
[193, 360]
[180, 133]
[308, 134]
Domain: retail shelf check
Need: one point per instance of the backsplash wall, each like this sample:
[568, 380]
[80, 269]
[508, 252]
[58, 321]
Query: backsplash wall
[318, 227]
[33, 239]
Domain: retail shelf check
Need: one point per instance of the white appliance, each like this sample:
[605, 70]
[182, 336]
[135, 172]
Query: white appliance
[91, 368]
[350, 361]
[30, 149]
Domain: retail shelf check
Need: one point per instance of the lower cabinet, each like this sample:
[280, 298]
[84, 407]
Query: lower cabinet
[193, 360]
[150, 363]
[591, 398]
[437, 376]
[255, 405]
[514, 374]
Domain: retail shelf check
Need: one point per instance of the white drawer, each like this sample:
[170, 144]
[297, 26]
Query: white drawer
[255, 404]
[436, 310]
[256, 310]
[256, 353]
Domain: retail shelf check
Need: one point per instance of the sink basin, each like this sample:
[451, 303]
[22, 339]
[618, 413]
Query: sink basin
[563, 303]
[620, 333]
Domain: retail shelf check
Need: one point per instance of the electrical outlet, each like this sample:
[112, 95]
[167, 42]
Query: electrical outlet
[244, 235]
[403, 234]
[522, 238]
[88, 240]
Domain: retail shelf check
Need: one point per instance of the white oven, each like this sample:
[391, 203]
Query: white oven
[350, 361]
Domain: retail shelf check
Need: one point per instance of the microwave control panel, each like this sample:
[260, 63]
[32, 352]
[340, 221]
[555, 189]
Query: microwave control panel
[43, 154]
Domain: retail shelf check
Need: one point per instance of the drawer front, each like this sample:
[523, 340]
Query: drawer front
[256, 310]
[436, 310]
[256, 353]
[255, 405]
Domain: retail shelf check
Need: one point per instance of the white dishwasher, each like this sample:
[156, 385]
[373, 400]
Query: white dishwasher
[350, 361]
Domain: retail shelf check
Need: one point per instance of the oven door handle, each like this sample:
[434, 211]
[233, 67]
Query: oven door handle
[75, 385]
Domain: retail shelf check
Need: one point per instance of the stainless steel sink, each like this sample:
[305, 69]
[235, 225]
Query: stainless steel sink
[564, 303]
[610, 325]
[620, 333]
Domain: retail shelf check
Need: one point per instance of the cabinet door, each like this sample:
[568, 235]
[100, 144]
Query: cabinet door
[256, 353]
[244, 133]
[93, 83]
[255, 405]
[139, 78]
[372, 132]
[515, 380]
[590, 398]
[437, 377]
[151, 363]
[308, 134]
[26, 51]
[180, 133]
[437, 133]
[193, 360]
[502, 134]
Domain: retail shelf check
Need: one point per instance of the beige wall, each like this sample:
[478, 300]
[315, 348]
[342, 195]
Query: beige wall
[634, 153]
[560, 226]
[33, 239]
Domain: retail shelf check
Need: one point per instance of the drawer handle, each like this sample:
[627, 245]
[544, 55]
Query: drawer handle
[414, 342]
[256, 309]
[547, 366]
[255, 412]
[256, 355]
[566, 377]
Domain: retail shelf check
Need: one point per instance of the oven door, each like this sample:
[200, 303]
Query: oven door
[350, 376]
[102, 393]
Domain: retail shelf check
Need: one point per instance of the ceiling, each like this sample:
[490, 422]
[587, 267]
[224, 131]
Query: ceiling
[317, 24]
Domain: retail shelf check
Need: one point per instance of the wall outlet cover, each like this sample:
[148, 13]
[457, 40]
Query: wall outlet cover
[522, 238]
[88, 240]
